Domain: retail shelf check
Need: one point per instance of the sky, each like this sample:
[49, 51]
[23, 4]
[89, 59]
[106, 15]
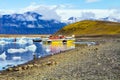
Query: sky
[64, 8]
[73, 4]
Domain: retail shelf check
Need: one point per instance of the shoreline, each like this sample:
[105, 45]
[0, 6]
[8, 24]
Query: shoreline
[32, 62]
[94, 62]
[22, 35]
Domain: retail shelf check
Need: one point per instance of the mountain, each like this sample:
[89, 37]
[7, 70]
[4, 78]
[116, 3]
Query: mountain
[28, 23]
[71, 20]
[77, 19]
[110, 19]
[90, 27]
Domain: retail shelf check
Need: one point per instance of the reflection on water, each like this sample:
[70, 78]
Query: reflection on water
[58, 46]
[21, 50]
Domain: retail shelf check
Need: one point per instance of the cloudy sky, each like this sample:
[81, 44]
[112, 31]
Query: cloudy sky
[63, 9]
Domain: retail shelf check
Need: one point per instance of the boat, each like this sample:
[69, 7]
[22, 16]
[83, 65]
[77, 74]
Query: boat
[37, 40]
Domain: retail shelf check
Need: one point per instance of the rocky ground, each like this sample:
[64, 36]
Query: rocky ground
[98, 62]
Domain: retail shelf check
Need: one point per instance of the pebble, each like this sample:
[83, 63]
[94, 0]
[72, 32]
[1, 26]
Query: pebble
[96, 48]
[104, 69]
[30, 65]
[24, 67]
[35, 65]
[98, 64]
[51, 63]
[10, 69]
[17, 69]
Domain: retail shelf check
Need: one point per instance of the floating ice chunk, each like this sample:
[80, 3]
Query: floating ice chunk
[21, 50]
[30, 41]
[8, 39]
[2, 42]
[41, 43]
[39, 56]
[72, 47]
[91, 43]
[31, 48]
[24, 40]
[16, 58]
[21, 41]
[3, 56]
[48, 50]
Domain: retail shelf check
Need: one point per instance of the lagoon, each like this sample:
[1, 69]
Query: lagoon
[21, 50]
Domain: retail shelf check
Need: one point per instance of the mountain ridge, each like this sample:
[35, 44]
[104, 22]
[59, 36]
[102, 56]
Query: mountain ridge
[77, 19]
[28, 23]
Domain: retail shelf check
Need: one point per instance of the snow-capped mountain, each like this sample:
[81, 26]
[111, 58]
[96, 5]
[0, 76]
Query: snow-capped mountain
[76, 19]
[110, 19]
[28, 23]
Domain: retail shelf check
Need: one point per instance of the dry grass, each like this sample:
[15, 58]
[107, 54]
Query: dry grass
[91, 27]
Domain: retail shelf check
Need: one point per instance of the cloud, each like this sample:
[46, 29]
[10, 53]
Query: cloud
[2, 11]
[87, 15]
[91, 1]
[96, 13]
[47, 12]
[63, 12]
[115, 14]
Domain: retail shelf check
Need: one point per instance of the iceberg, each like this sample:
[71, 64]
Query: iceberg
[16, 58]
[21, 41]
[31, 48]
[2, 42]
[21, 50]
[3, 56]
[24, 40]
[48, 50]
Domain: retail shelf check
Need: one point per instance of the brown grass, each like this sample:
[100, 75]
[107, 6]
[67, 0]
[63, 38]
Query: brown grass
[89, 27]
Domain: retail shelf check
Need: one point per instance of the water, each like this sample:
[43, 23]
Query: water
[21, 50]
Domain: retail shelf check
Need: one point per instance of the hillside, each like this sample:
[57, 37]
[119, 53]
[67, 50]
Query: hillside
[90, 27]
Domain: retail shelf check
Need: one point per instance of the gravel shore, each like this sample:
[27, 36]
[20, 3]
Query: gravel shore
[98, 62]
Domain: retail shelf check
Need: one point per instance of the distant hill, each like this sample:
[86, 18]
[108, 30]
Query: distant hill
[91, 27]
